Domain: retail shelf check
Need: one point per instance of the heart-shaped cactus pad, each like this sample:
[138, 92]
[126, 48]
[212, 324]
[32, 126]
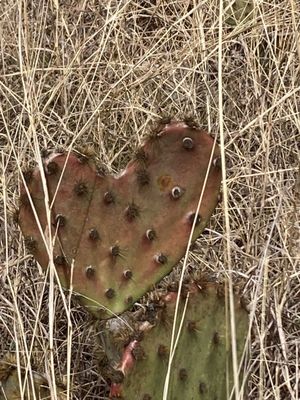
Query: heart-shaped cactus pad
[113, 237]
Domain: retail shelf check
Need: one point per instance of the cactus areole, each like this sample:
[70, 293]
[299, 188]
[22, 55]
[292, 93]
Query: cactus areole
[113, 237]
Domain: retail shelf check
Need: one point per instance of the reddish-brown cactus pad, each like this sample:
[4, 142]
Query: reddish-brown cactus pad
[120, 235]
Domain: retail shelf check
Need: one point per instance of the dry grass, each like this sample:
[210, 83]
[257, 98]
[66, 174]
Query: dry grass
[99, 73]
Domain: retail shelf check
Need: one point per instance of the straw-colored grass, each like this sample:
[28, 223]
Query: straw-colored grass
[99, 73]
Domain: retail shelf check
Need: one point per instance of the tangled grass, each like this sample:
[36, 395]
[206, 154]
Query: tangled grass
[99, 74]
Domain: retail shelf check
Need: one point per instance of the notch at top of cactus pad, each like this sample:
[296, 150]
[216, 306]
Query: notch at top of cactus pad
[116, 236]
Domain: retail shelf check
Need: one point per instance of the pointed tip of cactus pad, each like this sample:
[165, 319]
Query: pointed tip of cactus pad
[138, 221]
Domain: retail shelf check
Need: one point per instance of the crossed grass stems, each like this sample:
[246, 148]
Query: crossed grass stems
[240, 82]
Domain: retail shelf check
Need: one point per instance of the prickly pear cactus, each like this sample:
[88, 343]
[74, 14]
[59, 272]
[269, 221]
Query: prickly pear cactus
[36, 387]
[202, 365]
[115, 236]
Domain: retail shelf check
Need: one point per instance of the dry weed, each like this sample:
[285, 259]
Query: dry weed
[98, 73]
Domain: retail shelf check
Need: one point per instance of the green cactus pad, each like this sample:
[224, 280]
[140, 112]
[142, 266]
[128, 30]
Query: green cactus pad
[116, 236]
[36, 386]
[202, 365]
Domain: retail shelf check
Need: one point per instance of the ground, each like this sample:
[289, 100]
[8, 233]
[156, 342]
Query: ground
[100, 74]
